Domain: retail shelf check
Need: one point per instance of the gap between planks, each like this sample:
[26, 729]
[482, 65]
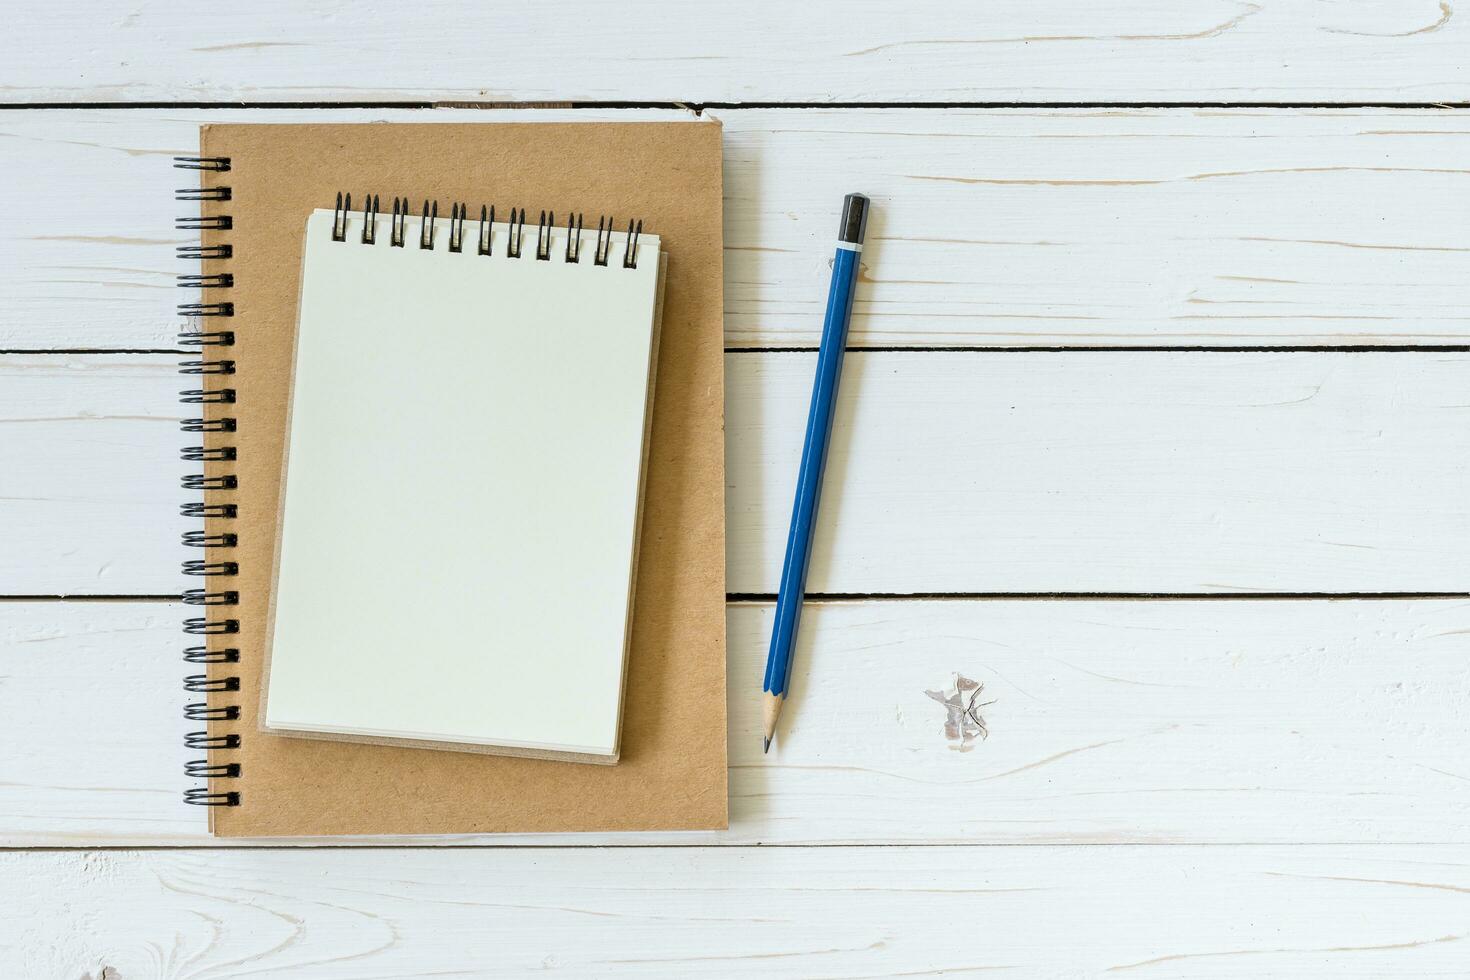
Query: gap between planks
[698, 108]
[434, 844]
[933, 349]
[757, 598]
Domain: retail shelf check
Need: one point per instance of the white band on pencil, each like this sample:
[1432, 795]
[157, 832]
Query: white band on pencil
[851, 246]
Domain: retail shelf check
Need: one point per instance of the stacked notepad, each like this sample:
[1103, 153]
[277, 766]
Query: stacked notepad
[464, 473]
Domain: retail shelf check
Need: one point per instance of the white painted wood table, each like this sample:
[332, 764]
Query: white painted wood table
[1156, 422]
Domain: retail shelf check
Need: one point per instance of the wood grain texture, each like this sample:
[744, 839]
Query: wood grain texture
[951, 472]
[1143, 722]
[92, 698]
[991, 228]
[712, 912]
[641, 51]
[89, 475]
[1103, 228]
[1123, 472]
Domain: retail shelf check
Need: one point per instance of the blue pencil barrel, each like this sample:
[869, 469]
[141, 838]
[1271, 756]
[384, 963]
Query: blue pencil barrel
[814, 450]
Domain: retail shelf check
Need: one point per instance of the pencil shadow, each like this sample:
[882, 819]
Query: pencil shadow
[871, 257]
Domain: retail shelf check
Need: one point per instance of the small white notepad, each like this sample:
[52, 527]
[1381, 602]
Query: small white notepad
[462, 493]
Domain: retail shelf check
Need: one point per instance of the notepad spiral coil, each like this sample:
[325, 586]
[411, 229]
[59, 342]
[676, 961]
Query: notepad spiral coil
[210, 484]
[485, 241]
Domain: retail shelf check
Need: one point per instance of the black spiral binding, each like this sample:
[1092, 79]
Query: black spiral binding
[459, 213]
[210, 486]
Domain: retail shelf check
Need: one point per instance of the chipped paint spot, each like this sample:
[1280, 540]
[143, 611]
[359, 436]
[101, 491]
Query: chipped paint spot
[963, 722]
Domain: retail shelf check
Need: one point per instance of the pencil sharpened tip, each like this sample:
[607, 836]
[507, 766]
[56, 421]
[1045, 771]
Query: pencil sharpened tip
[768, 746]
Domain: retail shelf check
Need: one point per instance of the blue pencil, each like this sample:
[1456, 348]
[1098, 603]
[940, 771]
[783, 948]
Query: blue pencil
[813, 459]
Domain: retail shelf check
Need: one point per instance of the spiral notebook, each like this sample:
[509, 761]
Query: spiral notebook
[392, 589]
[466, 441]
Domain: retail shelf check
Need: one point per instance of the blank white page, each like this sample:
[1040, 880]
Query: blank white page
[462, 490]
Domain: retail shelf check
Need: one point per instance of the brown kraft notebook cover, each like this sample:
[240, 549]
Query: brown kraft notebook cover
[672, 774]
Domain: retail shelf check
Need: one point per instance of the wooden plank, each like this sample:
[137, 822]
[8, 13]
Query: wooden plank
[953, 472]
[762, 51]
[1104, 228]
[1118, 472]
[1113, 722]
[712, 912]
[92, 701]
[994, 228]
[1141, 722]
[89, 475]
